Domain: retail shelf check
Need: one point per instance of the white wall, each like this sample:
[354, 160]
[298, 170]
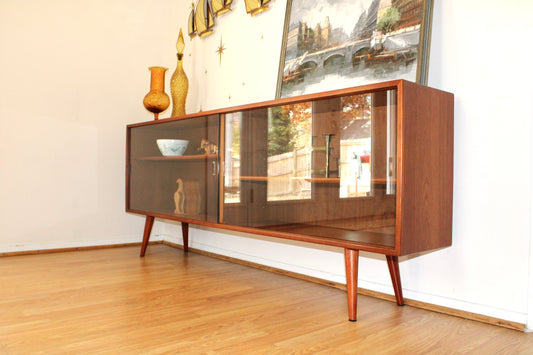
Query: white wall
[74, 74]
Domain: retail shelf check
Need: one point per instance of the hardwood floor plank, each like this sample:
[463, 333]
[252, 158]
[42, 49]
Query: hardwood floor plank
[110, 301]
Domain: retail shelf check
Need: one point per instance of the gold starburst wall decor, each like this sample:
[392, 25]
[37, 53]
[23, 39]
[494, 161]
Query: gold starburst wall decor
[220, 51]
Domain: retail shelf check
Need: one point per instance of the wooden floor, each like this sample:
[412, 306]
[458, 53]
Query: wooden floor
[111, 301]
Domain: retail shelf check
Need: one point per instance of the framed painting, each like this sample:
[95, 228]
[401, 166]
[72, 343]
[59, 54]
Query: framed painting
[335, 44]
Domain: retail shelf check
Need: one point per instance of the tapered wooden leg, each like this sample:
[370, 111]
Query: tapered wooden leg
[394, 269]
[185, 233]
[147, 231]
[351, 259]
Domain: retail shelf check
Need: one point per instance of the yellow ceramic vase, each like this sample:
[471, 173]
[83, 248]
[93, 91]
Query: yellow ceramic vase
[157, 100]
[179, 84]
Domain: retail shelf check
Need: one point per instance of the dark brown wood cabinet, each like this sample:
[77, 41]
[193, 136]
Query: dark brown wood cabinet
[367, 168]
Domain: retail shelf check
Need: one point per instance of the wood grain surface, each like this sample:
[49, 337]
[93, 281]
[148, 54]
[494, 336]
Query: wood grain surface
[111, 301]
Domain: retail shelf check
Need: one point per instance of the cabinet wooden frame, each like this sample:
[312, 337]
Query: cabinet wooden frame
[424, 180]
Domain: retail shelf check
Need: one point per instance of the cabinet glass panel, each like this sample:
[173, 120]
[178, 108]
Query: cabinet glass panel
[355, 146]
[355, 169]
[288, 152]
[178, 182]
[232, 152]
[324, 168]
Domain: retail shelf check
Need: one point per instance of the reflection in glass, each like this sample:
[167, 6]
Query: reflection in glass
[233, 158]
[324, 167]
[355, 146]
[289, 152]
[297, 137]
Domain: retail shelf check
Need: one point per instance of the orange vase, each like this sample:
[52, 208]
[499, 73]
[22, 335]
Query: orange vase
[157, 100]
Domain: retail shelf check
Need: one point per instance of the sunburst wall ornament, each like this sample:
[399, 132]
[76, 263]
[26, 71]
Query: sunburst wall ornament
[220, 51]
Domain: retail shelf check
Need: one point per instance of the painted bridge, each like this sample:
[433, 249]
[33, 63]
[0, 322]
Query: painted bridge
[332, 55]
[343, 53]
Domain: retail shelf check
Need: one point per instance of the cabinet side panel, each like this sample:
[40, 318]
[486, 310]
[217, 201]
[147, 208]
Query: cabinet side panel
[128, 167]
[427, 167]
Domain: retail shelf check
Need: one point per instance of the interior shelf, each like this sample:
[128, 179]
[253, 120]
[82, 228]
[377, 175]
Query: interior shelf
[179, 158]
[273, 178]
[323, 180]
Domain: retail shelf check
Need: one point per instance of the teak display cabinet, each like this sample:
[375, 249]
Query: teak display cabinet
[368, 168]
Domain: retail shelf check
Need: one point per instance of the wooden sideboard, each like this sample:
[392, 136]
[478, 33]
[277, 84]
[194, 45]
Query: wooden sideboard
[368, 168]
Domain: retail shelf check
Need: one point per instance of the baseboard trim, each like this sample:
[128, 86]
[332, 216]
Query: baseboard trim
[68, 249]
[409, 302]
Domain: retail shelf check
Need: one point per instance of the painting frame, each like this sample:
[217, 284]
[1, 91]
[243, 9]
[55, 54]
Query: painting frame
[305, 47]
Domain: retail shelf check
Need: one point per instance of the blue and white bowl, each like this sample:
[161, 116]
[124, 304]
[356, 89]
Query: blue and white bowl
[172, 147]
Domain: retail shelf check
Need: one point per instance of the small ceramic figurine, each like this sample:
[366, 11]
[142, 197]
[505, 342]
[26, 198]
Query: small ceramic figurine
[208, 147]
[179, 198]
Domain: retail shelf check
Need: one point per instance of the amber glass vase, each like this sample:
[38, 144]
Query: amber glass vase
[157, 100]
[179, 84]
